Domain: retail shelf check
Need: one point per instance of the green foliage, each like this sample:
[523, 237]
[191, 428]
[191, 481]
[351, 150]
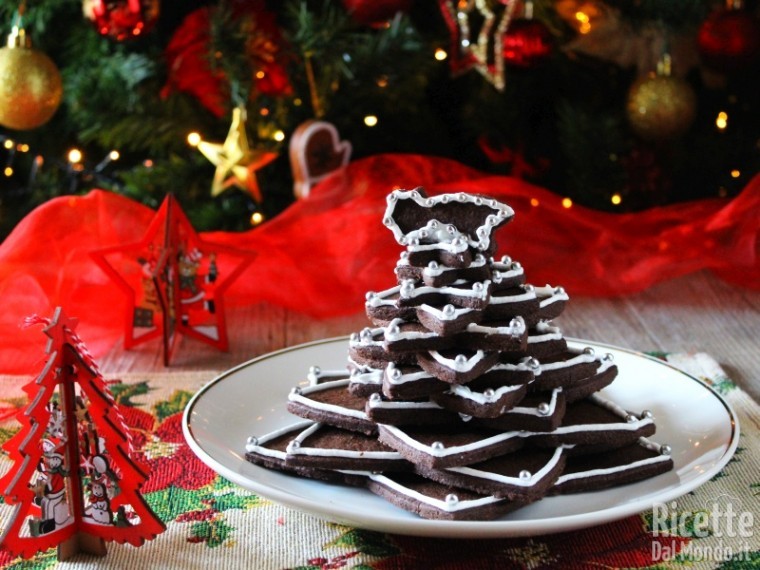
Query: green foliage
[562, 122]
[174, 405]
[124, 392]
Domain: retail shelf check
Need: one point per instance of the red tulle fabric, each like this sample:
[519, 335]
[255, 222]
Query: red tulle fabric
[322, 254]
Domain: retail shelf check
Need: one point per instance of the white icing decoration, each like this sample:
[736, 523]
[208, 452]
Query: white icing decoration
[481, 239]
[372, 376]
[462, 391]
[460, 505]
[609, 470]
[393, 332]
[296, 447]
[515, 481]
[451, 363]
[515, 328]
[430, 450]
[527, 295]
[546, 332]
[524, 410]
[441, 315]
[303, 399]
[549, 295]
[383, 297]
[394, 375]
[259, 448]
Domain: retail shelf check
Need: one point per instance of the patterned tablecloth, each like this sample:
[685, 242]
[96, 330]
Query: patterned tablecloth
[212, 523]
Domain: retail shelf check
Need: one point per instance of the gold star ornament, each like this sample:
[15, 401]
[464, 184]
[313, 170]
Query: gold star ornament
[236, 163]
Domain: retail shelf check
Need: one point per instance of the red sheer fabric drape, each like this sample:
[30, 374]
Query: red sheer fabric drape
[322, 254]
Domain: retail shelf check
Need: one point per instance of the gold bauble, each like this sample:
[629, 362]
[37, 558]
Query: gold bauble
[30, 87]
[660, 107]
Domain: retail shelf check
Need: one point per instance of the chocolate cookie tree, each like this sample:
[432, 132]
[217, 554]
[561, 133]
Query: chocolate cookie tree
[477, 402]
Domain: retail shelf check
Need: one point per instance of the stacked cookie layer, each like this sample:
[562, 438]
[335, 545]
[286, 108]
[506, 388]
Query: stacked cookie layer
[462, 399]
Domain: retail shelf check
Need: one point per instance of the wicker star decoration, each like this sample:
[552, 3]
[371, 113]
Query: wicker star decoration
[236, 162]
[486, 21]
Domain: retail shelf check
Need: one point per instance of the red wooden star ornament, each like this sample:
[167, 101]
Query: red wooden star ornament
[175, 281]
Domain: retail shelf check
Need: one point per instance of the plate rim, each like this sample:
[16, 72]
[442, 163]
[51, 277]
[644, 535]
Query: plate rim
[462, 528]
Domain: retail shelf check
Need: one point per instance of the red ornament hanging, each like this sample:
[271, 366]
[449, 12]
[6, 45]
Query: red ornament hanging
[122, 19]
[375, 12]
[527, 43]
[729, 40]
[75, 480]
[175, 280]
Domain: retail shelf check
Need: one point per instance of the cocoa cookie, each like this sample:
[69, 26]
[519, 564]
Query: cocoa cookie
[456, 446]
[409, 383]
[507, 303]
[506, 274]
[268, 451]
[409, 412]
[456, 366]
[445, 320]
[537, 412]
[328, 447]
[526, 474]
[597, 423]
[435, 274]
[635, 462]
[403, 336]
[489, 402]
[331, 403]
[367, 349]
[545, 340]
[431, 500]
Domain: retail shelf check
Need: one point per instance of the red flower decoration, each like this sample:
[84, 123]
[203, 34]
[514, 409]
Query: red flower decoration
[166, 452]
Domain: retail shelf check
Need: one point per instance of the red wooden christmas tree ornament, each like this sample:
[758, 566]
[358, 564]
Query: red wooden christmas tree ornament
[174, 280]
[74, 481]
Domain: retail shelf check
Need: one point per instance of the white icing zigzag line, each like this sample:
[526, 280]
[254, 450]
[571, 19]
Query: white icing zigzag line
[516, 481]
[394, 375]
[448, 506]
[256, 444]
[445, 451]
[295, 447]
[299, 396]
[493, 396]
[445, 234]
[458, 364]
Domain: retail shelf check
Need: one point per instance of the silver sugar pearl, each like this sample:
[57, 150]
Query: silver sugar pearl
[449, 310]
[451, 229]
[666, 449]
[528, 287]
[375, 398]
[423, 233]
[370, 295]
[489, 393]
[588, 350]
[465, 417]
[462, 197]
[608, 357]
[445, 199]
[315, 370]
[433, 265]
[451, 499]
[388, 221]
[251, 442]
[525, 475]
[354, 337]
[479, 201]
[395, 374]
[559, 290]
[460, 359]
[295, 391]
[630, 418]
[433, 224]
[437, 445]
[647, 414]
[295, 444]
[533, 363]
[477, 286]
[365, 335]
[544, 409]
[516, 265]
[506, 260]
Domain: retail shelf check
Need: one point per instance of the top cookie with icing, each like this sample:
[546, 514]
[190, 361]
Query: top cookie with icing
[455, 221]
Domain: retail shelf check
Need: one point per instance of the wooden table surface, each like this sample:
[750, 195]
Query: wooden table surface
[694, 313]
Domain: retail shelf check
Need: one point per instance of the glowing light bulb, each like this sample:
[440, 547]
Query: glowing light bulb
[584, 22]
[616, 199]
[534, 202]
[193, 139]
[8, 144]
[370, 120]
[23, 147]
[260, 74]
[722, 120]
[567, 203]
[257, 218]
[278, 135]
[114, 155]
[440, 54]
[8, 171]
[75, 156]
[735, 173]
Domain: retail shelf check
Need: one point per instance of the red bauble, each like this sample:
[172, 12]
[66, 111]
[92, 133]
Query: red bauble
[375, 12]
[729, 40]
[527, 43]
[122, 19]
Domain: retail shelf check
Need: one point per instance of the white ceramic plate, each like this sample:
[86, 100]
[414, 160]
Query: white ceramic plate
[251, 399]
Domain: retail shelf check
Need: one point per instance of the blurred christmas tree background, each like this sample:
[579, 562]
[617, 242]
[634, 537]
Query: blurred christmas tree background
[562, 93]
